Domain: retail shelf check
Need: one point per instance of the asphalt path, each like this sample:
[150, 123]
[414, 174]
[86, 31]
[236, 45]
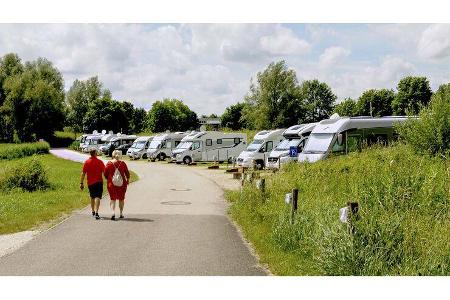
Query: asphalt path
[175, 224]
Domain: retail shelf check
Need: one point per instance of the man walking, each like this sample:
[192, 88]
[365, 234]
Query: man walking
[94, 169]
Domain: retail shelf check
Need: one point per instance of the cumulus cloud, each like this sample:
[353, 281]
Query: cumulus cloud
[435, 42]
[209, 66]
[332, 55]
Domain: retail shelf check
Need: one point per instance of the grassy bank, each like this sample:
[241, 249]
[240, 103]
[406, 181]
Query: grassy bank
[404, 224]
[13, 151]
[25, 210]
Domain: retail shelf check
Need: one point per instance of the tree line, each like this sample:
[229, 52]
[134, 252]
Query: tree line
[33, 103]
[276, 99]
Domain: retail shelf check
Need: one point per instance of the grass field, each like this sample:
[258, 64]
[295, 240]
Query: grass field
[13, 151]
[26, 210]
[403, 226]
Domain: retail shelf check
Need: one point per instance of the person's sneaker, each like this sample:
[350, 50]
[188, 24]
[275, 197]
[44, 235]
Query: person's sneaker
[113, 218]
[97, 216]
[121, 216]
[93, 213]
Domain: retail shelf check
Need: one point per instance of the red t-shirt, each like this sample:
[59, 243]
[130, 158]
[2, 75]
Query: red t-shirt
[94, 168]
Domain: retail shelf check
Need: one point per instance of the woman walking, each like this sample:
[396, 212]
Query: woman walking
[118, 176]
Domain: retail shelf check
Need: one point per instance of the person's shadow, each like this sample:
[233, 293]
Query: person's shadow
[139, 220]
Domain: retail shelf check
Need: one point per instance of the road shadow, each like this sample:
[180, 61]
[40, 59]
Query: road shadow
[139, 220]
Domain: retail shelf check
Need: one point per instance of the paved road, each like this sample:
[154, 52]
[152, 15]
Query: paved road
[157, 237]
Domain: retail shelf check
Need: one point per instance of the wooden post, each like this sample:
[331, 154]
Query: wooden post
[294, 204]
[353, 209]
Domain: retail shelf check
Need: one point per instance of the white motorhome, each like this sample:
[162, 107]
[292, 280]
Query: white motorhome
[343, 135]
[92, 142]
[119, 142]
[209, 146]
[163, 144]
[139, 147]
[295, 136]
[257, 152]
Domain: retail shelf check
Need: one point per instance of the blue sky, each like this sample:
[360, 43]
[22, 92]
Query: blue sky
[209, 66]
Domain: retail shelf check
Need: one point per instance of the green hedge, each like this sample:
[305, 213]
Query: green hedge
[13, 151]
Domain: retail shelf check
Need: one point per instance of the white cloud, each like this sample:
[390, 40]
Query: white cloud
[284, 42]
[435, 42]
[332, 55]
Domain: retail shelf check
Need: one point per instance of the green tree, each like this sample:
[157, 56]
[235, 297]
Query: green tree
[376, 103]
[413, 94]
[35, 99]
[318, 100]
[430, 133]
[274, 100]
[139, 120]
[10, 65]
[346, 108]
[171, 114]
[232, 117]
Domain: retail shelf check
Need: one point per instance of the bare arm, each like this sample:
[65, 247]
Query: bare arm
[82, 180]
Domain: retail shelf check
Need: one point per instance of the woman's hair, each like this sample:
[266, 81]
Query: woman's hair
[117, 154]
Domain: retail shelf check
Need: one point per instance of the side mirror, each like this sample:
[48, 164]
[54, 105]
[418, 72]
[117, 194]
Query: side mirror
[340, 138]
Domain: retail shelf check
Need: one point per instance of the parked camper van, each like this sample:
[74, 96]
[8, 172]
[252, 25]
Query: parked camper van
[210, 146]
[92, 142]
[343, 135]
[163, 144]
[139, 147]
[120, 142]
[295, 136]
[257, 152]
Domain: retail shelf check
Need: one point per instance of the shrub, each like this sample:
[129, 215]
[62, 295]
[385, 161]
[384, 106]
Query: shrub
[431, 132]
[75, 145]
[29, 176]
[61, 139]
[12, 151]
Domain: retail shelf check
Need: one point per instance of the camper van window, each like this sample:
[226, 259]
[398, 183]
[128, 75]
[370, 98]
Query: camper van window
[195, 145]
[208, 142]
[177, 143]
[269, 146]
[139, 145]
[219, 141]
[155, 144]
[255, 145]
[169, 144]
[287, 144]
[318, 143]
[184, 145]
[237, 141]
[353, 143]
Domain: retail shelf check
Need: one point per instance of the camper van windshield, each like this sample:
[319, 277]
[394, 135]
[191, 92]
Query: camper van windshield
[287, 144]
[184, 145]
[154, 144]
[318, 143]
[255, 145]
[138, 145]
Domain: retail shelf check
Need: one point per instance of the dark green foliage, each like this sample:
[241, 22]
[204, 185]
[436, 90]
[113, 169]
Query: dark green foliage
[376, 103]
[346, 108]
[318, 101]
[32, 99]
[13, 151]
[274, 100]
[232, 117]
[431, 132]
[413, 94]
[29, 176]
[171, 114]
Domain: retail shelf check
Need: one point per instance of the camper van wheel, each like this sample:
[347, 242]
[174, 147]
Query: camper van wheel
[144, 156]
[230, 160]
[162, 156]
[187, 160]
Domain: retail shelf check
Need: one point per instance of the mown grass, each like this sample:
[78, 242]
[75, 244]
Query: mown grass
[26, 210]
[403, 226]
[13, 151]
